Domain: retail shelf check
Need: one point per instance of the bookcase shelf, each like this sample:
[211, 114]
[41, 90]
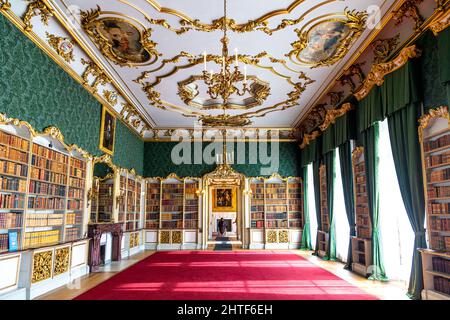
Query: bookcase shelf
[362, 243]
[152, 204]
[172, 203]
[295, 203]
[130, 200]
[257, 210]
[323, 233]
[191, 204]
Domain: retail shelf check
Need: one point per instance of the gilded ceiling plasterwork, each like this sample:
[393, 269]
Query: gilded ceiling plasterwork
[119, 39]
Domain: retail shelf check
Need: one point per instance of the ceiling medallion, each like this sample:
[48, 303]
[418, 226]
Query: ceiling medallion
[224, 120]
[327, 41]
[63, 46]
[119, 40]
[189, 92]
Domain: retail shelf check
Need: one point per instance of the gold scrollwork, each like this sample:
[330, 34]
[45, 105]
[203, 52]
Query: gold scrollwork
[177, 237]
[440, 112]
[308, 137]
[37, 7]
[383, 48]
[283, 236]
[271, 236]
[225, 120]
[164, 237]
[62, 260]
[355, 21]
[5, 5]
[90, 21]
[409, 9]
[333, 114]
[356, 154]
[110, 96]
[379, 71]
[42, 266]
[62, 46]
[441, 23]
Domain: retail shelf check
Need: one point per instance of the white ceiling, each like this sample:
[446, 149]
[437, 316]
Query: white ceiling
[170, 44]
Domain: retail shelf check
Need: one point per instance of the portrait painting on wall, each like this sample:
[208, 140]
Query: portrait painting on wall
[324, 40]
[224, 199]
[124, 39]
[107, 131]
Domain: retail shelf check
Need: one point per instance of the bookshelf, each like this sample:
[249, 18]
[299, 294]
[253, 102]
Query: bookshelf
[191, 204]
[122, 195]
[172, 204]
[276, 205]
[295, 202]
[323, 233]
[152, 204]
[257, 209]
[362, 242]
[75, 203]
[105, 199]
[131, 205]
[434, 135]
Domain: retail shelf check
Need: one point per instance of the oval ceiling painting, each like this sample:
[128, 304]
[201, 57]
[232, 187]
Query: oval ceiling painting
[323, 41]
[118, 39]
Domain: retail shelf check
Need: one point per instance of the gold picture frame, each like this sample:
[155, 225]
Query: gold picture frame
[220, 201]
[107, 131]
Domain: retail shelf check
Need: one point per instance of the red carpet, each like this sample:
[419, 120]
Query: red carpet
[237, 275]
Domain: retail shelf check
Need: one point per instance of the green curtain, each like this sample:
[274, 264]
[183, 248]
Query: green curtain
[369, 110]
[306, 234]
[370, 143]
[316, 178]
[408, 166]
[345, 158]
[330, 163]
[444, 59]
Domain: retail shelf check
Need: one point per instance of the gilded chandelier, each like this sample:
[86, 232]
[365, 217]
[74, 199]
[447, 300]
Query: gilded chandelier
[225, 83]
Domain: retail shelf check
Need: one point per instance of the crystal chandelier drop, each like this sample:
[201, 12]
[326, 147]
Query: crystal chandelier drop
[225, 83]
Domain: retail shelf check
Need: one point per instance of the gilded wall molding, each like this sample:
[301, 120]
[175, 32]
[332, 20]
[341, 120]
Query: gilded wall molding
[424, 121]
[379, 71]
[110, 96]
[441, 23]
[308, 137]
[333, 114]
[5, 5]
[37, 7]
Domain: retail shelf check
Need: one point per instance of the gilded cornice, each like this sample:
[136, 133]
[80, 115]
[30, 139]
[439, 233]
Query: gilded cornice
[37, 7]
[333, 114]
[308, 137]
[5, 5]
[441, 23]
[106, 159]
[424, 121]
[379, 71]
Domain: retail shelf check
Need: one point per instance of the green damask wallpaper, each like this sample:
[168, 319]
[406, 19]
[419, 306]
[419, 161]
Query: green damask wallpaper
[158, 163]
[35, 89]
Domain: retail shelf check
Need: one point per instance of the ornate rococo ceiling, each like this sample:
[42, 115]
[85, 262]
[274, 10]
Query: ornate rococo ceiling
[144, 58]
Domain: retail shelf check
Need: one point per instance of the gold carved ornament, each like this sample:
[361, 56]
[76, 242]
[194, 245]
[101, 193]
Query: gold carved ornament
[356, 154]
[409, 9]
[441, 23]
[333, 114]
[42, 266]
[308, 137]
[37, 7]
[354, 20]
[62, 261]
[164, 237]
[5, 5]
[424, 121]
[271, 236]
[383, 48]
[283, 236]
[62, 46]
[177, 237]
[89, 22]
[379, 71]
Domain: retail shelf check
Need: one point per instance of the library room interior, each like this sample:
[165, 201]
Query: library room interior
[224, 150]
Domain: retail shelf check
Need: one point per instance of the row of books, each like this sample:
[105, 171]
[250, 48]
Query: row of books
[152, 208]
[362, 220]
[438, 192]
[77, 163]
[172, 224]
[363, 233]
[441, 265]
[295, 201]
[46, 188]
[257, 215]
[437, 224]
[440, 142]
[276, 208]
[48, 176]
[48, 164]
[13, 154]
[14, 141]
[360, 209]
[362, 199]
[361, 179]
[190, 224]
[75, 204]
[276, 196]
[257, 208]
[167, 208]
[438, 208]
[12, 201]
[439, 175]
[441, 284]
[38, 203]
[12, 168]
[361, 188]
[13, 184]
[41, 238]
[191, 216]
[76, 183]
[276, 224]
[50, 154]
[259, 224]
[76, 193]
[278, 215]
[74, 218]
[4, 242]
[171, 216]
[360, 167]
[152, 216]
[295, 207]
[151, 224]
[295, 215]
[10, 220]
[435, 160]
[44, 219]
[295, 223]
[153, 197]
[72, 234]
[440, 243]
[172, 196]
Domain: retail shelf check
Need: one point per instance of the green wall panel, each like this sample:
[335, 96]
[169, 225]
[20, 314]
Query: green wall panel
[35, 89]
[158, 162]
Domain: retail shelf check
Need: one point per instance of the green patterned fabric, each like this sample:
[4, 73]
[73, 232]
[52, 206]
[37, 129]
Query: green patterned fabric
[35, 89]
[306, 234]
[444, 60]
[158, 153]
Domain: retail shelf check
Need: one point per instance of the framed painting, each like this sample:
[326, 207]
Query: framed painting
[107, 131]
[224, 199]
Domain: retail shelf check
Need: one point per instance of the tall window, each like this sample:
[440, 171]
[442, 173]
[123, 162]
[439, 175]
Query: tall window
[312, 206]
[340, 216]
[397, 236]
